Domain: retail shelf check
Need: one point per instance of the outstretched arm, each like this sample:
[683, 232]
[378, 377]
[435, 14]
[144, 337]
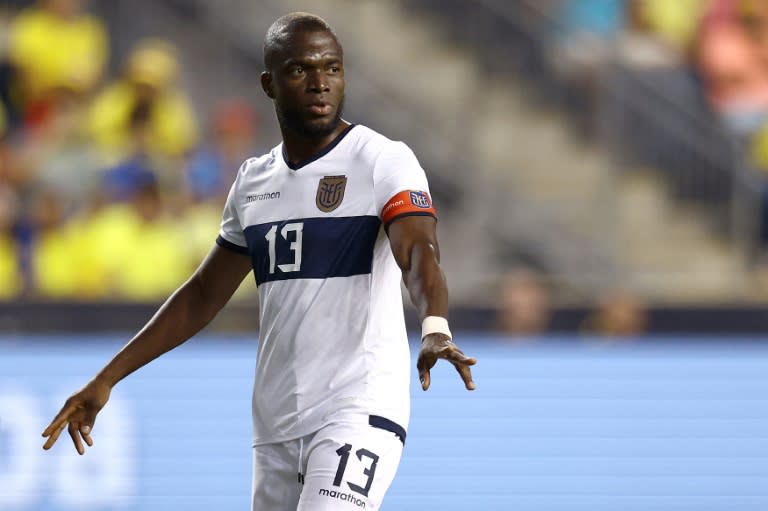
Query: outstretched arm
[414, 244]
[185, 313]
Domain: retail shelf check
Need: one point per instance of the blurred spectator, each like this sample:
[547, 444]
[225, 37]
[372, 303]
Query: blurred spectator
[597, 18]
[735, 78]
[155, 260]
[55, 45]
[719, 12]
[54, 254]
[11, 282]
[60, 155]
[103, 232]
[674, 23]
[5, 66]
[618, 314]
[524, 303]
[754, 14]
[132, 250]
[7, 120]
[731, 56]
[138, 169]
[10, 175]
[148, 83]
[9, 116]
[200, 224]
[645, 43]
[587, 30]
[212, 169]
[5, 150]
[93, 253]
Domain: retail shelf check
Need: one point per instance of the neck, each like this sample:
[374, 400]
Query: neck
[299, 147]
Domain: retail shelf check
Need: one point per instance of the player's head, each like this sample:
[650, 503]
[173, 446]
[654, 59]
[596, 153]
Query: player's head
[304, 74]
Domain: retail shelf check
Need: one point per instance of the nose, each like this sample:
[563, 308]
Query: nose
[318, 82]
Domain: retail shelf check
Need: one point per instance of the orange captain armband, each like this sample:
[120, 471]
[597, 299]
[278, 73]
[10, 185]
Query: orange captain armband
[407, 203]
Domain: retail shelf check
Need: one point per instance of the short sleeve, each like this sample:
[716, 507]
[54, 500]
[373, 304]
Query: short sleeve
[231, 234]
[400, 185]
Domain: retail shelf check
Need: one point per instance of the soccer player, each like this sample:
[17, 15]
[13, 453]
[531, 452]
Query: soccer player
[329, 221]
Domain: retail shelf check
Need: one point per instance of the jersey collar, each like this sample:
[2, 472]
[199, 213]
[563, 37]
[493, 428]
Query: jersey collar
[327, 149]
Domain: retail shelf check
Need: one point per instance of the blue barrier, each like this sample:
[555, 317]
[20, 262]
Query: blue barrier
[555, 425]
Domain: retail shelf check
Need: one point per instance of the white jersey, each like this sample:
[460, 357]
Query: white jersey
[332, 330]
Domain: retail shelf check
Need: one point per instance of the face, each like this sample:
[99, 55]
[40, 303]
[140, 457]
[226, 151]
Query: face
[307, 84]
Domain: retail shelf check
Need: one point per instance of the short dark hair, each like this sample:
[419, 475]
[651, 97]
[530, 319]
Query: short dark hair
[283, 27]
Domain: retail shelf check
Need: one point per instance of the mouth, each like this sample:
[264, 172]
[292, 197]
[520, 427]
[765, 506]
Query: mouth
[320, 109]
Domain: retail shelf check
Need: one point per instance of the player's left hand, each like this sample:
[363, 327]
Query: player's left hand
[436, 346]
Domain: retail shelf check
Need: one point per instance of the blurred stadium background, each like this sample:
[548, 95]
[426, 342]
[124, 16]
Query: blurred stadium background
[599, 167]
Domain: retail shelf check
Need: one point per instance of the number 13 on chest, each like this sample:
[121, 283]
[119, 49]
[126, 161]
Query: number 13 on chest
[294, 246]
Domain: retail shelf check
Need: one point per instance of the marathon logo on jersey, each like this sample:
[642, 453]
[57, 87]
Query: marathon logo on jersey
[420, 200]
[262, 196]
[330, 193]
[346, 497]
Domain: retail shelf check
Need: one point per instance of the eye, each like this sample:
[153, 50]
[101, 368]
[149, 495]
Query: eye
[297, 70]
[335, 69]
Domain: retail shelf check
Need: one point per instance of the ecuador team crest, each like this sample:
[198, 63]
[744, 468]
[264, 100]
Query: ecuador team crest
[330, 192]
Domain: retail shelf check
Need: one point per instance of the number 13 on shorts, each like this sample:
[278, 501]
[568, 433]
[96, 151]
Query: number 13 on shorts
[352, 472]
[343, 452]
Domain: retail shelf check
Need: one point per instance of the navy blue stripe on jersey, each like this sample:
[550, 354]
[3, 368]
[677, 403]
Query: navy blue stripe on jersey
[380, 422]
[231, 246]
[312, 248]
[325, 150]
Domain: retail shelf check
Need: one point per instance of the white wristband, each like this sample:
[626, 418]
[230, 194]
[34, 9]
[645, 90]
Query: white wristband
[433, 325]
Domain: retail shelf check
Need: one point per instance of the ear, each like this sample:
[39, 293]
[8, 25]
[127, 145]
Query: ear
[266, 84]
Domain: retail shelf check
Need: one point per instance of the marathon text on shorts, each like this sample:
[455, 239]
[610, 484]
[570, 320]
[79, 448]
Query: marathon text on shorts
[347, 497]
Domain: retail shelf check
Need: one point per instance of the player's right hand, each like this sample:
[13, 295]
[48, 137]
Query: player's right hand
[78, 415]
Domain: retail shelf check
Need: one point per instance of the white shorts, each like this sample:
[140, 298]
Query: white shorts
[345, 466]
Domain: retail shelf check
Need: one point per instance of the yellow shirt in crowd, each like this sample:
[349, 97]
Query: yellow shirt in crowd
[54, 262]
[156, 262]
[172, 130]
[10, 274]
[99, 244]
[112, 254]
[675, 21]
[56, 52]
